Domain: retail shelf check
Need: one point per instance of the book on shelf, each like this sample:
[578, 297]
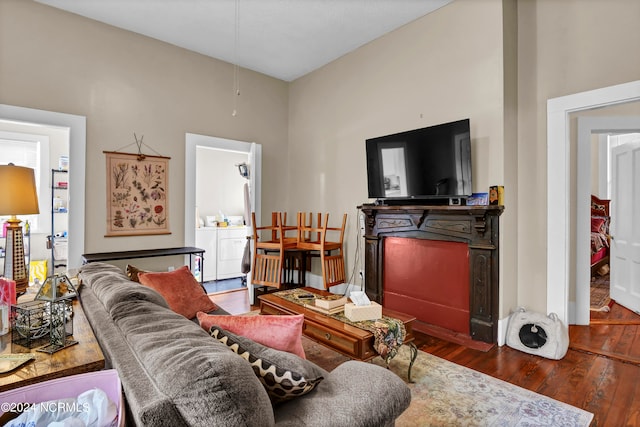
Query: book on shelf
[330, 301]
[329, 311]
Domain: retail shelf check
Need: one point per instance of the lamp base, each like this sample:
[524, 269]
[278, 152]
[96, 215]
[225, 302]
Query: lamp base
[14, 265]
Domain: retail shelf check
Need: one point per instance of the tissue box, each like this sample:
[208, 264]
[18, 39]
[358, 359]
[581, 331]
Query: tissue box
[356, 313]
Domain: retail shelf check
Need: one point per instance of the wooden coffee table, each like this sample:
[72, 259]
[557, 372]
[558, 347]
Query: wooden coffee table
[85, 356]
[342, 337]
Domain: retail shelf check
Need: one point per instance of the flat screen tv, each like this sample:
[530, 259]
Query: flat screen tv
[421, 164]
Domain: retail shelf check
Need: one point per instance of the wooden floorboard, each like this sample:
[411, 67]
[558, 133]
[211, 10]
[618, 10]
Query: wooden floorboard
[234, 301]
[607, 384]
[614, 335]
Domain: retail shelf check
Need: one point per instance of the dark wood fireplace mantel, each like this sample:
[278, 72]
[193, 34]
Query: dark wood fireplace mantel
[477, 226]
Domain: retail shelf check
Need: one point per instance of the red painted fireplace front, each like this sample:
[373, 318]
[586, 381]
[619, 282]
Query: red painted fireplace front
[437, 263]
[428, 279]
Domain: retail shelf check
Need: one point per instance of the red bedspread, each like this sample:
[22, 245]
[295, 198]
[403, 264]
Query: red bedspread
[599, 229]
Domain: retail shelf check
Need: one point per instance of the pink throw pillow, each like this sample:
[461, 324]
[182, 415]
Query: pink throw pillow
[279, 332]
[180, 289]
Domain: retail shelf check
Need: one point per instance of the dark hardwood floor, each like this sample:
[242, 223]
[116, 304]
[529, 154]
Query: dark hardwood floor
[607, 384]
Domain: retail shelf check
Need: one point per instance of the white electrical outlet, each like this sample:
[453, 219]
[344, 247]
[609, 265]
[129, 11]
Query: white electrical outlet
[171, 268]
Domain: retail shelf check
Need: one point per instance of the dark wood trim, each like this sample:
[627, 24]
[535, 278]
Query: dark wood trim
[144, 253]
[478, 226]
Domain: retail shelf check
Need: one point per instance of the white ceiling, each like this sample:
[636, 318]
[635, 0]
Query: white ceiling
[285, 39]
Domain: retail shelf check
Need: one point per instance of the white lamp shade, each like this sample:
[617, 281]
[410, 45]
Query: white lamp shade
[18, 194]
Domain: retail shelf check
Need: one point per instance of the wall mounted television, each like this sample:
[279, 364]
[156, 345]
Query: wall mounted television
[432, 163]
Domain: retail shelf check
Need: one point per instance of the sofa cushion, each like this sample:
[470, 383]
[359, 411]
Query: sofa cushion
[283, 378]
[200, 376]
[180, 289]
[111, 286]
[358, 393]
[144, 405]
[279, 332]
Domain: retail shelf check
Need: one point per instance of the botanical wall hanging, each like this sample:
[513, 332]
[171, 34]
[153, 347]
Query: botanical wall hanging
[137, 194]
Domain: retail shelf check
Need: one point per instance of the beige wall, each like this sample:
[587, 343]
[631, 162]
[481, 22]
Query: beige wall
[125, 83]
[455, 63]
[381, 89]
[564, 47]
[509, 219]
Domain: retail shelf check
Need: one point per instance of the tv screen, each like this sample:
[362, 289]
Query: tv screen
[428, 163]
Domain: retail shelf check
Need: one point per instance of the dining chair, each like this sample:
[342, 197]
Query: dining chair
[331, 252]
[269, 252]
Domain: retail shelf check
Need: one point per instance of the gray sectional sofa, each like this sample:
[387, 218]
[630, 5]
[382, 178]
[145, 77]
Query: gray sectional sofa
[173, 373]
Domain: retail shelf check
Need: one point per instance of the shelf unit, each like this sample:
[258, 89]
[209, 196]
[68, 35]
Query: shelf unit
[59, 206]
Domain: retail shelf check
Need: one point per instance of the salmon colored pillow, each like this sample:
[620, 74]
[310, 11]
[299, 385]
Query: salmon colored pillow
[279, 332]
[180, 289]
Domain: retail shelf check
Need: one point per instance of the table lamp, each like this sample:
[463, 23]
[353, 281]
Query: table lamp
[18, 196]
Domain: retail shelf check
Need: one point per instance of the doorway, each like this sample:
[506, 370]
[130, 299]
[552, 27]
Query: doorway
[253, 152]
[76, 126]
[587, 128]
[604, 185]
[559, 217]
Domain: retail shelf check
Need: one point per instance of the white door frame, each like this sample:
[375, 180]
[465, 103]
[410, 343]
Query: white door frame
[254, 150]
[558, 186]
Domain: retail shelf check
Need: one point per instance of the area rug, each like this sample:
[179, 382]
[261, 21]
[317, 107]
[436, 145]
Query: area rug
[446, 394]
[599, 294]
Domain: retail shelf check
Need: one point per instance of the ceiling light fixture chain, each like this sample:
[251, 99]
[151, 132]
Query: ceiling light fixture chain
[236, 67]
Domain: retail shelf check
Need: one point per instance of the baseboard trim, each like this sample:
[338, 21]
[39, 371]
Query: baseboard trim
[451, 336]
[502, 330]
